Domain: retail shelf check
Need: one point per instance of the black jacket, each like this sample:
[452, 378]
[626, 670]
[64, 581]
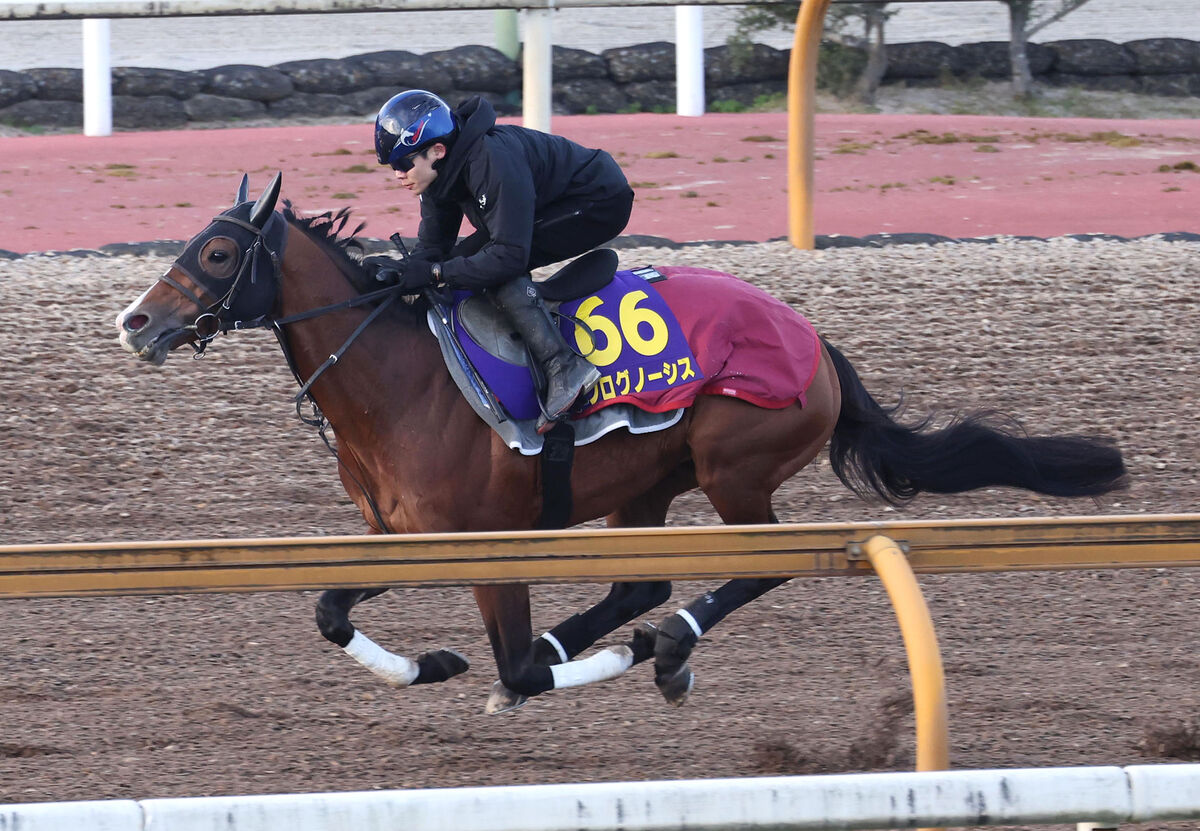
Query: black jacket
[501, 178]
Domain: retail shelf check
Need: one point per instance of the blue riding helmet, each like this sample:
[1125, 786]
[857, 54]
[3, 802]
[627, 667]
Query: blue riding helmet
[410, 122]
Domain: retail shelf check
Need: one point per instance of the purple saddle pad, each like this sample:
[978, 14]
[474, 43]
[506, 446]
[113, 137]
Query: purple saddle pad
[626, 329]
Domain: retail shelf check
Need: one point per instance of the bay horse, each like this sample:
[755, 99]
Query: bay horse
[415, 457]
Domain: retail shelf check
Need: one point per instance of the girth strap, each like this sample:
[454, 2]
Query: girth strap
[557, 458]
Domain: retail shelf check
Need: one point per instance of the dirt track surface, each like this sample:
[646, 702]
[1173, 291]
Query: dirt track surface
[200, 695]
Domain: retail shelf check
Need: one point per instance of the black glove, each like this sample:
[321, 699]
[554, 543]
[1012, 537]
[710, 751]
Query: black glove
[383, 268]
[416, 274]
[412, 274]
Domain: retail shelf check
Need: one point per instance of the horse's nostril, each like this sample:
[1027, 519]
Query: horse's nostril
[135, 322]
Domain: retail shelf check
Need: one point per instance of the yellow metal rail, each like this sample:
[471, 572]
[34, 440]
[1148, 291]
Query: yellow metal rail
[802, 93]
[592, 556]
[896, 551]
[921, 646]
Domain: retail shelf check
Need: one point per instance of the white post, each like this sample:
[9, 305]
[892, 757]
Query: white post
[689, 60]
[536, 84]
[97, 78]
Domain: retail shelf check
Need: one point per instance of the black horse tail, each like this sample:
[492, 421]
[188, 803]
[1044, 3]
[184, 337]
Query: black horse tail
[872, 453]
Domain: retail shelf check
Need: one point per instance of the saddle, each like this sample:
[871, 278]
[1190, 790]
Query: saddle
[659, 336]
[491, 365]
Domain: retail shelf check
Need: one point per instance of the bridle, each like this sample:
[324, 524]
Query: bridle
[247, 299]
[243, 301]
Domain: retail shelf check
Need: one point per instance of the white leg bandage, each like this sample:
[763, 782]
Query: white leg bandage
[395, 669]
[606, 664]
[558, 647]
[691, 621]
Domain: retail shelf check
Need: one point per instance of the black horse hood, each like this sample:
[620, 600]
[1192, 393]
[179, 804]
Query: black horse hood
[475, 118]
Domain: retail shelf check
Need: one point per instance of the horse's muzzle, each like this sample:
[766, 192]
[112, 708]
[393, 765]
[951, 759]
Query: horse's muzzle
[146, 341]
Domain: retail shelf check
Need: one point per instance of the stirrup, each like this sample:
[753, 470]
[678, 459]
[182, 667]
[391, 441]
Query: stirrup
[545, 424]
[546, 421]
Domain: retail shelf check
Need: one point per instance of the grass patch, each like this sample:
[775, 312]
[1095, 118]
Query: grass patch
[345, 195]
[1179, 167]
[119, 166]
[688, 194]
[926, 137]
[357, 168]
[727, 106]
[1114, 139]
[943, 180]
[761, 139]
[1110, 137]
[341, 151]
[643, 184]
[987, 148]
[662, 154]
[858, 148]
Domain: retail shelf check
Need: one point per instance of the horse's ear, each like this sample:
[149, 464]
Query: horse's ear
[243, 193]
[265, 205]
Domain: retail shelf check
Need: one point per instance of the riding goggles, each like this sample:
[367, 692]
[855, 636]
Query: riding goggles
[405, 163]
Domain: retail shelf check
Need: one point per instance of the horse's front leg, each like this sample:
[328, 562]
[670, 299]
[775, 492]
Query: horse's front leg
[506, 617]
[333, 619]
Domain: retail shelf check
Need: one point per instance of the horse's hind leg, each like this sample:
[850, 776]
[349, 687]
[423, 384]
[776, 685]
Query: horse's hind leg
[333, 619]
[742, 455]
[679, 633]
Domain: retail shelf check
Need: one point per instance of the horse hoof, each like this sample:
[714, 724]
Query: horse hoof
[645, 636]
[438, 665]
[675, 688]
[503, 699]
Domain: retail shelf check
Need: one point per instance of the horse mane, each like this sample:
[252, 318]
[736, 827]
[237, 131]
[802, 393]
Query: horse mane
[327, 230]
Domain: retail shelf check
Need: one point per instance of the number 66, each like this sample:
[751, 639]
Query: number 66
[630, 319]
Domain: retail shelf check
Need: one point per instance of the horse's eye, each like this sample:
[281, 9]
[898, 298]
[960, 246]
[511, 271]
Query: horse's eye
[219, 256]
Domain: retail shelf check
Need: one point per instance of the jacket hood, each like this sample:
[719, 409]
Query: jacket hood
[475, 117]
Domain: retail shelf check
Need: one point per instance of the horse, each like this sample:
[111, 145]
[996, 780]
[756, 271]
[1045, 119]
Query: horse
[415, 458]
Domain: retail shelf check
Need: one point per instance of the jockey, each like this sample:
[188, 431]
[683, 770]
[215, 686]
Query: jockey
[533, 198]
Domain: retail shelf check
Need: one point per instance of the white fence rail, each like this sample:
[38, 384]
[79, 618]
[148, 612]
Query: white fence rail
[538, 38]
[537, 27]
[1105, 795]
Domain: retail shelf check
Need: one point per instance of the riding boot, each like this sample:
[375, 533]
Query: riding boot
[567, 374]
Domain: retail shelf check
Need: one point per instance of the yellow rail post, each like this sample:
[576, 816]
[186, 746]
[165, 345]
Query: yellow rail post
[920, 643]
[802, 92]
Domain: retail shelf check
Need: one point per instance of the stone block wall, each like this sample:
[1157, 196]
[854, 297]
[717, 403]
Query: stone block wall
[629, 78]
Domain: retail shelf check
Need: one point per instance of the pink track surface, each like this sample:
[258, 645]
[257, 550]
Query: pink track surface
[718, 177]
